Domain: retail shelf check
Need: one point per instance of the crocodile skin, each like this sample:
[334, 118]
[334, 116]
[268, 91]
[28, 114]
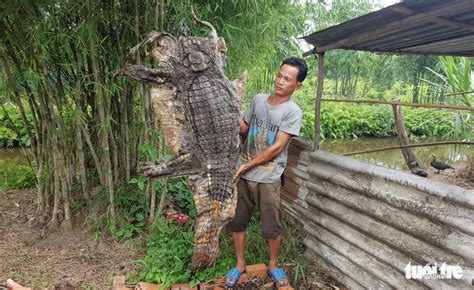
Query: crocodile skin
[198, 108]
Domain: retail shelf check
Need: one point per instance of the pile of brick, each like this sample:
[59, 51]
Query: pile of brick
[255, 277]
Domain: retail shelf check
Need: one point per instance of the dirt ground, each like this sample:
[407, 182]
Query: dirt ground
[42, 259]
[462, 177]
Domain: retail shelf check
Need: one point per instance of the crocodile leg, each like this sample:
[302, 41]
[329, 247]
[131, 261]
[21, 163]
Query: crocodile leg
[180, 165]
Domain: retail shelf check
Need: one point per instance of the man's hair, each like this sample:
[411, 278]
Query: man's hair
[298, 63]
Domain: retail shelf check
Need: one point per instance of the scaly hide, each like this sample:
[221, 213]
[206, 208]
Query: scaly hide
[199, 111]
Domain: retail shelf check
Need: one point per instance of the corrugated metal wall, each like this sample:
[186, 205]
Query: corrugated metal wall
[365, 223]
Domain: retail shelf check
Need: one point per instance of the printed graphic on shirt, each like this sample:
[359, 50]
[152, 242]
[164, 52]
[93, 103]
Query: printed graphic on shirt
[261, 135]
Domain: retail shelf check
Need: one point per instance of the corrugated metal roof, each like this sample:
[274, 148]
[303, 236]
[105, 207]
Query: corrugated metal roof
[430, 27]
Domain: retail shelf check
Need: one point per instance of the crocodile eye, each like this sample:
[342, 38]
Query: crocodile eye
[197, 61]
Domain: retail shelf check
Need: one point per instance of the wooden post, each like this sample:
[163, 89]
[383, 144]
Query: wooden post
[408, 155]
[319, 96]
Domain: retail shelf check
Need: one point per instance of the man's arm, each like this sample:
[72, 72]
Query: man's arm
[244, 128]
[282, 139]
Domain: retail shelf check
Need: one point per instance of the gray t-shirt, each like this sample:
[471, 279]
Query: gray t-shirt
[264, 121]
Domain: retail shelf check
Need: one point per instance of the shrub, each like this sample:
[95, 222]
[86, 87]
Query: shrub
[13, 176]
[341, 121]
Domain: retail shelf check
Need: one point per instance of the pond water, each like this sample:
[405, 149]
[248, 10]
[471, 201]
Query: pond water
[455, 155]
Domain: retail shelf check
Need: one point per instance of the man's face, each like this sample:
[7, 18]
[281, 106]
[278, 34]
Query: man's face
[285, 81]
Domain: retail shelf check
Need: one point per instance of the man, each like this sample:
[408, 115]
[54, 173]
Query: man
[267, 126]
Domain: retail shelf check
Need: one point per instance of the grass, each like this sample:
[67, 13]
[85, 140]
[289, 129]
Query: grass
[170, 247]
[13, 176]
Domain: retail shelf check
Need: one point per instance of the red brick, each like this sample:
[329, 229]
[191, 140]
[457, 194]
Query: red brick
[215, 285]
[219, 282]
[205, 286]
[257, 270]
[243, 278]
[183, 286]
[147, 286]
[118, 282]
[268, 286]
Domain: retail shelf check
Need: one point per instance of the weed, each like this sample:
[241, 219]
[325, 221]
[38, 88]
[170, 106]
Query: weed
[181, 195]
[13, 176]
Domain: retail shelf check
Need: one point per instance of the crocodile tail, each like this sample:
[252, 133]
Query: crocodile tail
[211, 217]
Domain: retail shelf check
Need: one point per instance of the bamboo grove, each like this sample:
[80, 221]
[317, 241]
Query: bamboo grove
[58, 59]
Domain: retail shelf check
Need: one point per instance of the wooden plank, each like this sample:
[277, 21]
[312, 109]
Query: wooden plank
[465, 108]
[319, 96]
[408, 155]
[406, 23]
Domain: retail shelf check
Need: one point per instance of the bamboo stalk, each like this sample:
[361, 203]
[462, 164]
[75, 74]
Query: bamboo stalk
[104, 121]
[148, 192]
[164, 194]
[59, 154]
[317, 105]
[56, 188]
[126, 134]
[115, 162]
[152, 202]
[93, 152]
[79, 143]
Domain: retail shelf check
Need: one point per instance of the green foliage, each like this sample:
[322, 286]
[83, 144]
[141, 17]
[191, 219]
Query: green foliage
[7, 137]
[10, 123]
[181, 195]
[457, 75]
[426, 122]
[340, 121]
[131, 210]
[169, 251]
[13, 176]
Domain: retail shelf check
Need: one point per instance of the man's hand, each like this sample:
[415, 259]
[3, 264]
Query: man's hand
[282, 139]
[242, 169]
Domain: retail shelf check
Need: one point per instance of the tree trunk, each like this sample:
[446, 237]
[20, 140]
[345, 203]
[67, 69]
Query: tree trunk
[408, 155]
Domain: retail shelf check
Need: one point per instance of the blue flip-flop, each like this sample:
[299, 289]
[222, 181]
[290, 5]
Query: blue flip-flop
[235, 275]
[277, 274]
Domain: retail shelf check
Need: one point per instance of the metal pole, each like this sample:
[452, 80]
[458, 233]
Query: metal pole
[319, 96]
